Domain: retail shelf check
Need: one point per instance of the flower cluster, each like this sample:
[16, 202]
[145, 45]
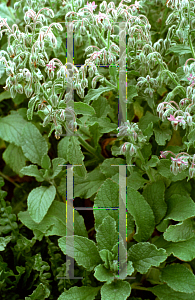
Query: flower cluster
[134, 135]
[180, 163]
[183, 118]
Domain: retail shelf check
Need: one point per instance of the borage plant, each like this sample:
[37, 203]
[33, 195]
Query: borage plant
[47, 127]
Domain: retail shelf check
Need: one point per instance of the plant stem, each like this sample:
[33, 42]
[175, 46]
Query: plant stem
[148, 171]
[108, 39]
[177, 83]
[9, 179]
[100, 36]
[89, 148]
[191, 46]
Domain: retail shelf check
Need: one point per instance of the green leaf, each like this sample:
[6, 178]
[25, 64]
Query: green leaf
[142, 214]
[56, 168]
[84, 250]
[179, 50]
[135, 180]
[31, 105]
[131, 93]
[146, 120]
[95, 133]
[182, 250]
[75, 156]
[104, 123]
[102, 274]
[39, 201]
[4, 241]
[191, 139]
[14, 157]
[154, 195]
[107, 169]
[180, 232]
[32, 170]
[107, 256]
[119, 290]
[181, 187]
[162, 135]
[80, 293]
[33, 144]
[11, 127]
[152, 162]
[106, 234]
[163, 168]
[8, 13]
[87, 187]
[54, 223]
[41, 292]
[5, 95]
[83, 108]
[146, 255]
[63, 148]
[45, 162]
[94, 94]
[107, 196]
[163, 292]
[179, 278]
[101, 107]
[180, 208]
[148, 132]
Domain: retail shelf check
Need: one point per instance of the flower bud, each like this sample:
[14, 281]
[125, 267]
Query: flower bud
[28, 91]
[148, 78]
[78, 87]
[54, 99]
[81, 94]
[78, 41]
[17, 5]
[83, 30]
[84, 83]
[37, 88]
[186, 69]
[62, 115]
[103, 6]
[170, 18]
[189, 91]
[13, 92]
[193, 98]
[19, 88]
[47, 120]
[174, 125]
[10, 51]
[189, 120]
[191, 172]
[132, 149]
[167, 43]
[91, 72]
[9, 71]
[50, 13]
[111, 5]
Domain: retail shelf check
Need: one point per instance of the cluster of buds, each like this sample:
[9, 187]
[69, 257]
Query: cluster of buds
[180, 162]
[167, 110]
[134, 134]
[150, 82]
[102, 56]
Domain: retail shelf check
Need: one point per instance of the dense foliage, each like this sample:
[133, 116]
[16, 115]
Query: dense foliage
[42, 130]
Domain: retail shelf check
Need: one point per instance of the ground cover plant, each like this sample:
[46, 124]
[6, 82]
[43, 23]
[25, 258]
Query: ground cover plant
[44, 127]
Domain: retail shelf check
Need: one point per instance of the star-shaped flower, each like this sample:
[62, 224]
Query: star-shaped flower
[92, 5]
[179, 161]
[171, 118]
[51, 66]
[190, 78]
